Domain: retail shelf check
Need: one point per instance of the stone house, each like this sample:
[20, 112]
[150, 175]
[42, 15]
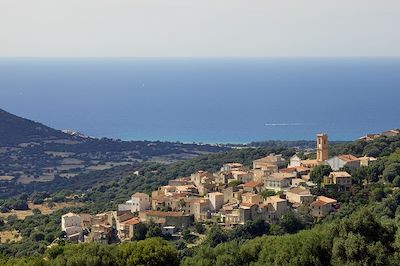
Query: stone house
[341, 178]
[322, 206]
[299, 195]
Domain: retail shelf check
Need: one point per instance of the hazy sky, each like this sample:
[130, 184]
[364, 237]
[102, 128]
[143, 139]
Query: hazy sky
[133, 28]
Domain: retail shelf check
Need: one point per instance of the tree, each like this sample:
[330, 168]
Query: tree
[153, 230]
[396, 181]
[216, 236]
[187, 235]
[199, 227]
[249, 230]
[318, 173]
[152, 251]
[38, 236]
[290, 223]
[267, 193]
[391, 171]
[234, 183]
[20, 205]
[140, 232]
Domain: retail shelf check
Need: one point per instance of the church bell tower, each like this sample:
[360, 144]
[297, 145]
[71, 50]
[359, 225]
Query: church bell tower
[322, 147]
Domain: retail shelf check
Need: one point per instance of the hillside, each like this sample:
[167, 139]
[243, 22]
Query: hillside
[15, 130]
[33, 152]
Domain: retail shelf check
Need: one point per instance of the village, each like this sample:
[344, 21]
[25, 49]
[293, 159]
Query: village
[232, 196]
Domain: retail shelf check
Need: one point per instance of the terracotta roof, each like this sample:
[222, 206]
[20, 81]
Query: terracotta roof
[302, 169]
[140, 195]
[300, 191]
[294, 169]
[233, 164]
[270, 159]
[288, 170]
[239, 172]
[309, 162]
[70, 214]
[340, 174]
[253, 184]
[347, 157]
[318, 203]
[326, 199]
[280, 176]
[163, 214]
[132, 221]
[274, 199]
[247, 205]
[124, 217]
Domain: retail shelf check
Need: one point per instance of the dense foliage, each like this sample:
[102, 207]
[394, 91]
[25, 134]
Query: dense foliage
[365, 231]
[152, 251]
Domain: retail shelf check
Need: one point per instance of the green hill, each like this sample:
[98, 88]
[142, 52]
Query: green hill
[15, 129]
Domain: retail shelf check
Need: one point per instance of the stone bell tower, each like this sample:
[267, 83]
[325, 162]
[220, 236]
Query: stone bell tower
[322, 147]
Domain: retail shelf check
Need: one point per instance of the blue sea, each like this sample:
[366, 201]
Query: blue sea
[224, 100]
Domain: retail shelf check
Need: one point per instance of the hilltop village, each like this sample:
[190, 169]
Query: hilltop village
[232, 196]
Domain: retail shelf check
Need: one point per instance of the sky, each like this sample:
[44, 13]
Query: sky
[201, 28]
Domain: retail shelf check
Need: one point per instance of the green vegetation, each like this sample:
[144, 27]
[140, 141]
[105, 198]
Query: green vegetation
[153, 251]
[318, 173]
[365, 231]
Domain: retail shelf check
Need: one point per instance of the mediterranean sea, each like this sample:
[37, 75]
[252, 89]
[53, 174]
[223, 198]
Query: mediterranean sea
[223, 100]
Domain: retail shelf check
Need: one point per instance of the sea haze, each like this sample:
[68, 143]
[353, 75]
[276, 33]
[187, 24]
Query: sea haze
[206, 100]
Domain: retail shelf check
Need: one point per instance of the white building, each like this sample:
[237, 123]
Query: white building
[243, 176]
[216, 200]
[295, 161]
[231, 167]
[140, 202]
[278, 181]
[71, 225]
[69, 220]
[340, 161]
[299, 195]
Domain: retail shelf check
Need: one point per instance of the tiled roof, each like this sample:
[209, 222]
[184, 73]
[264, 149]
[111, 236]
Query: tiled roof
[132, 221]
[247, 205]
[140, 195]
[70, 214]
[280, 176]
[300, 191]
[233, 164]
[274, 199]
[318, 203]
[347, 157]
[326, 199]
[163, 214]
[340, 174]
[253, 184]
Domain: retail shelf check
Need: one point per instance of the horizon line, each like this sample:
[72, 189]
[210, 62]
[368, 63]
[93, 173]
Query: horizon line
[209, 57]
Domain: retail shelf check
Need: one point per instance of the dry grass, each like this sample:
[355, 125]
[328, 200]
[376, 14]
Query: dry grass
[6, 177]
[28, 179]
[9, 236]
[42, 207]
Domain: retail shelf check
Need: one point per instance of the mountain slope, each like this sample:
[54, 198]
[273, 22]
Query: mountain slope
[15, 129]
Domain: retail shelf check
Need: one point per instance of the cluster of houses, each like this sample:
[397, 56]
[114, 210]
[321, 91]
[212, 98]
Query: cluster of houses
[234, 195]
[388, 133]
